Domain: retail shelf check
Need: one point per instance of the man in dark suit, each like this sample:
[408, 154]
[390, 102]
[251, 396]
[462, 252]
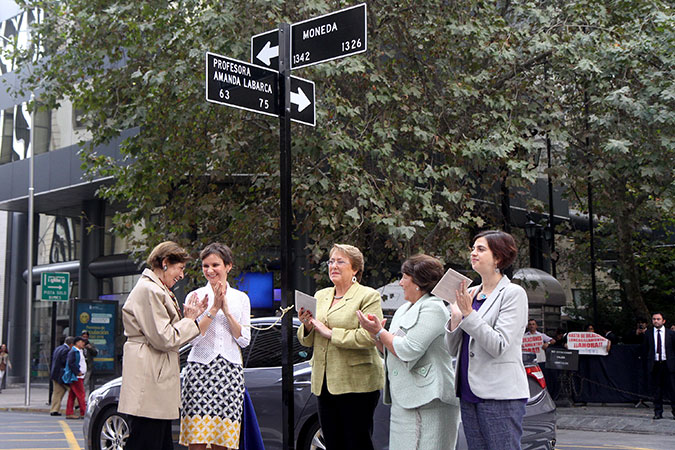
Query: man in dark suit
[659, 352]
[56, 373]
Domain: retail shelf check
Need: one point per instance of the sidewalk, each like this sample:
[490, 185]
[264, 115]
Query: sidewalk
[14, 398]
[621, 418]
[616, 417]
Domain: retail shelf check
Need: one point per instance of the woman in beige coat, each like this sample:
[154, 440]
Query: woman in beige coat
[155, 330]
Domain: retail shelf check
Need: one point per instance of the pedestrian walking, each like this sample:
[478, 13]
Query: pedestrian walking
[59, 388]
[73, 375]
[5, 364]
[485, 334]
[90, 351]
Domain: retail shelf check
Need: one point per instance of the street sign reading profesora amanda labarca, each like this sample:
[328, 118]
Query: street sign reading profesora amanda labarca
[241, 85]
[246, 86]
[55, 286]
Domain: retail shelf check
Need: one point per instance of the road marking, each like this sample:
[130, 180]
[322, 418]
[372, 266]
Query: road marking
[4, 433]
[70, 437]
[611, 447]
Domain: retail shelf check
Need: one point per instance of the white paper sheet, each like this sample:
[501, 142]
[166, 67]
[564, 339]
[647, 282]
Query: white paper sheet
[305, 301]
[449, 284]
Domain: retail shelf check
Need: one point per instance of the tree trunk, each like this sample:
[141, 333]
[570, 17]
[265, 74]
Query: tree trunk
[625, 227]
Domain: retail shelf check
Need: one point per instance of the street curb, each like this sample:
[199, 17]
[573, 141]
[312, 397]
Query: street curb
[23, 409]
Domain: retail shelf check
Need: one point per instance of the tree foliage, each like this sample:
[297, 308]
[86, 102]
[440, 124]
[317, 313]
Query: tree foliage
[414, 138]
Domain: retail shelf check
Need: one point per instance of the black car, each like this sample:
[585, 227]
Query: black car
[106, 429]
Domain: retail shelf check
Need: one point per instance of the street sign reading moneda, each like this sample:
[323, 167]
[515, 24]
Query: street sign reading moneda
[55, 286]
[324, 38]
[328, 37]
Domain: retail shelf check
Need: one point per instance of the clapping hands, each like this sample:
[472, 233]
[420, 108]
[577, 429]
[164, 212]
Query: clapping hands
[219, 299]
[372, 324]
[194, 307]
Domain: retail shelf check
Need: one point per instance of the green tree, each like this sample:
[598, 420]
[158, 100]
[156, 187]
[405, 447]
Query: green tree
[615, 77]
[416, 140]
[434, 114]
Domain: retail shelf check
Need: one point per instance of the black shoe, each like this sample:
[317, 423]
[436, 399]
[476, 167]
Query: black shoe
[657, 416]
[55, 414]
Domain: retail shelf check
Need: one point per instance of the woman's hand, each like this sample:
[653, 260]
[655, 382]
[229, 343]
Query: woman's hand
[464, 300]
[305, 317]
[370, 323]
[225, 306]
[194, 308]
[455, 315]
[322, 329]
[218, 295]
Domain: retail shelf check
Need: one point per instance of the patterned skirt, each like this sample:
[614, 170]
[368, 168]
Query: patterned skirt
[212, 398]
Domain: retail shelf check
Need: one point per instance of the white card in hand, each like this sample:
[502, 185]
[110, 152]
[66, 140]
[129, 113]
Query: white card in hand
[449, 284]
[305, 301]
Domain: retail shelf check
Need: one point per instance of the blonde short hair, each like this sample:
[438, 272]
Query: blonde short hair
[353, 254]
[167, 250]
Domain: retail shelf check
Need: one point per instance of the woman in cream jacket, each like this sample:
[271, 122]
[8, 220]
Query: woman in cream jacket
[347, 372]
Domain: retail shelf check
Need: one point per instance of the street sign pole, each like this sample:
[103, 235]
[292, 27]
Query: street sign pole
[287, 415]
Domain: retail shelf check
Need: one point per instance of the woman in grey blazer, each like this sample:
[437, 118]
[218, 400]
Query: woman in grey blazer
[485, 334]
[420, 379]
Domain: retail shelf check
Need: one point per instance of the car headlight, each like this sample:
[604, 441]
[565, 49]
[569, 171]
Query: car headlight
[96, 397]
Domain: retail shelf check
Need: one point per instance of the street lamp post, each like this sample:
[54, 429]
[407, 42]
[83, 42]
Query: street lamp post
[31, 226]
[533, 231]
[31, 213]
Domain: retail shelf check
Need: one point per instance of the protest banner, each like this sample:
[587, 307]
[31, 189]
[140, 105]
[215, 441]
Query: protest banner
[534, 344]
[587, 343]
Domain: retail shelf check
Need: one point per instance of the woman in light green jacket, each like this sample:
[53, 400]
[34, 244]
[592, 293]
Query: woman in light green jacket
[347, 372]
[419, 375]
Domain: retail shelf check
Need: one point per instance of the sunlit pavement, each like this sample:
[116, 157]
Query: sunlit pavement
[38, 431]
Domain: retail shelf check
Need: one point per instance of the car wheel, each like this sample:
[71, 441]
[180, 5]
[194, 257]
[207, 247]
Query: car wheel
[112, 431]
[313, 438]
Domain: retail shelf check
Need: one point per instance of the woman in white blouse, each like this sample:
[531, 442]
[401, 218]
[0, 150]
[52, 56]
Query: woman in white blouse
[213, 381]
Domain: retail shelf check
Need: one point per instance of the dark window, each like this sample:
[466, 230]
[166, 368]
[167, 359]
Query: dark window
[265, 349]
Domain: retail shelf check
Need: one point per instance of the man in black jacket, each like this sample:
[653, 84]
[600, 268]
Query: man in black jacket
[56, 373]
[659, 352]
[90, 351]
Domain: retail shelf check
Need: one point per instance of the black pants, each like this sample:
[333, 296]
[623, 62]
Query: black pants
[149, 434]
[662, 382]
[347, 419]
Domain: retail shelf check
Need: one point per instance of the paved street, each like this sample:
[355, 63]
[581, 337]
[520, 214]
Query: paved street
[37, 431]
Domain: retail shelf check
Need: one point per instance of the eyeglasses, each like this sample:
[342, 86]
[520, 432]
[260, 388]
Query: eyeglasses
[336, 262]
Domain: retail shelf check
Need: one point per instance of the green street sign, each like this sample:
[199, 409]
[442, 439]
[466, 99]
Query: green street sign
[55, 286]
